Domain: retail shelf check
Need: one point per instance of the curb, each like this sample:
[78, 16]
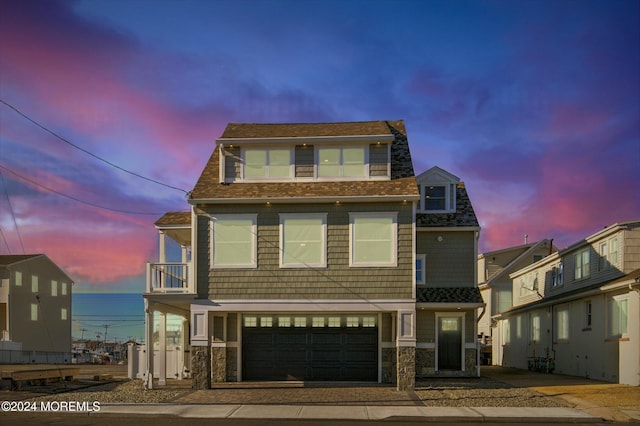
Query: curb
[360, 412]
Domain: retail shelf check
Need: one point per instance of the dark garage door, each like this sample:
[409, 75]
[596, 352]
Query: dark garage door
[310, 353]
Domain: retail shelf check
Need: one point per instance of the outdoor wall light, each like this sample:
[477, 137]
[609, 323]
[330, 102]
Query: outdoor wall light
[439, 238]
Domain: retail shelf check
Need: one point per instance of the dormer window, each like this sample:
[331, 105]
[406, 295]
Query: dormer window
[357, 161]
[437, 191]
[435, 198]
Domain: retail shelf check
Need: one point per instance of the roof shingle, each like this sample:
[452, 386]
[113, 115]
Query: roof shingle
[448, 295]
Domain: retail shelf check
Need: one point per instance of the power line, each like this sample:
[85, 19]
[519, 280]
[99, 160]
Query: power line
[69, 197]
[13, 215]
[46, 129]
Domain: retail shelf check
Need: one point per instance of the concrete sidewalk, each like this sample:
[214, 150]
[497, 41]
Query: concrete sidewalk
[342, 412]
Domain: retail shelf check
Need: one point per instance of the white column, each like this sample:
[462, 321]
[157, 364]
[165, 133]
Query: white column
[148, 338]
[162, 255]
[162, 349]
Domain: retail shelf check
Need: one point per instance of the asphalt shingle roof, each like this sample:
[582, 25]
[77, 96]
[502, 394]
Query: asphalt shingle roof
[448, 295]
[174, 218]
[463, 216]
[402, 182]
[10, 259]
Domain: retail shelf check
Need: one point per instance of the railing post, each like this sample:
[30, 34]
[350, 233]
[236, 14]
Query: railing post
[149, 284]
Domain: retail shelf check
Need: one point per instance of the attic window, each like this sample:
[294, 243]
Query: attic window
[438, 198]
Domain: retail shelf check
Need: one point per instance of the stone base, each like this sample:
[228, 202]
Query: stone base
[389, 366]
[232, 364]
[218, 365]
[406, 368]
[201, 367]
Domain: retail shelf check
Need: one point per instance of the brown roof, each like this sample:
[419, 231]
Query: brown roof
[10, 259]
[402, 183]
[298, 130]
[174, 218]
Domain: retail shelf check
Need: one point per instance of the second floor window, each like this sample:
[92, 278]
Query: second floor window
[581, 260]
[303, 240]
[557, 275]
[374, 239]
[234, 241]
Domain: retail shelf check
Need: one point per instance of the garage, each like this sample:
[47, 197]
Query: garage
[310, 347]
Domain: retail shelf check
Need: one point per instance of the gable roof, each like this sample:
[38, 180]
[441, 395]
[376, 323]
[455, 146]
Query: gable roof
[174, 219]
[401, 185]
[508, 268]
[438, 174]
[463, 216]
[11, 259]
[7, 261]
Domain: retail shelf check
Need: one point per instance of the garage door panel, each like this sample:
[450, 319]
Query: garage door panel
[310, 353]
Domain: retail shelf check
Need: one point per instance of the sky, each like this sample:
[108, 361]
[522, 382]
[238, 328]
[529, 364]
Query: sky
[534, 104]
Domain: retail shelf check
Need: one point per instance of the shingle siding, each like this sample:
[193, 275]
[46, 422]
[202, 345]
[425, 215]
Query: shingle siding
[451, 262]
[336, 281]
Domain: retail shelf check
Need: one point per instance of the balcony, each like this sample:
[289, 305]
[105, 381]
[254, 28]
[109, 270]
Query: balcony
[170, 278]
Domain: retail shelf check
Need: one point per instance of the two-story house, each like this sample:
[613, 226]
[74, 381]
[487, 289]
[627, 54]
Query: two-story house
[308, 262]
[577, 310]
[35, 310]
[495, 285]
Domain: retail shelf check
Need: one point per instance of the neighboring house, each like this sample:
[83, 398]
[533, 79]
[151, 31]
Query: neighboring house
[577, 311]
[315, 255]
[495, 286]
[35, 310]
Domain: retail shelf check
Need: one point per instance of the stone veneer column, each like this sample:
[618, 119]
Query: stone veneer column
[201, 367]
[219, 364]
[406, 364]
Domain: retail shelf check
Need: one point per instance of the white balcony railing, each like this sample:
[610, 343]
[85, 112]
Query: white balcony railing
[169, 278]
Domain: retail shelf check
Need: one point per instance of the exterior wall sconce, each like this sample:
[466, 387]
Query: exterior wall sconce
[439, 238]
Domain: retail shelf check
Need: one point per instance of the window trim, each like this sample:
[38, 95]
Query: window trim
[243, 153]
[394, 250]
[341, 177]
[585, 267]
[323, 218]
[613, 301]
[563, 328]
[254, 242]
[450, 195]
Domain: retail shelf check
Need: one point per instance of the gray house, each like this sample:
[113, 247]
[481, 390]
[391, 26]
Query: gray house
[316, 255]
[35, 310]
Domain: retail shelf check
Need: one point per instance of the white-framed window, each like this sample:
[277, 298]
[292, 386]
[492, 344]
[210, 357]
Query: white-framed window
[18, 279]
[234, 239]
[581, 260]
[300, 321]
[337, 161]
[317, 322]
[535, 328]
[506, 331]
[373, 239]
[587, 314]
[267, 163]
[421, 270]
[618, 316]
[557, 275]
[63, 314]
[34, 284]
[437, 197]
[63, 289]
[613, 252]
[303, 240]
[34, 312]
[54, 287]
[562, 323]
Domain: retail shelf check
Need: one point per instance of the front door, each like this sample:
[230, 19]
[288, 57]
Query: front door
[449, 343]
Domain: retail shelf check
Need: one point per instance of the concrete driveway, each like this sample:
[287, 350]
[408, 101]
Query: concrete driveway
[607, 400]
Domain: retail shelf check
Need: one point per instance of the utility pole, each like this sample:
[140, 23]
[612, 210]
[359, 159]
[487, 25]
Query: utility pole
[83, 330]
[106, 326]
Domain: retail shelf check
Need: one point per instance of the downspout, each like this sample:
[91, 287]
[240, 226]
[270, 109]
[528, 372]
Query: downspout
[484, 309]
